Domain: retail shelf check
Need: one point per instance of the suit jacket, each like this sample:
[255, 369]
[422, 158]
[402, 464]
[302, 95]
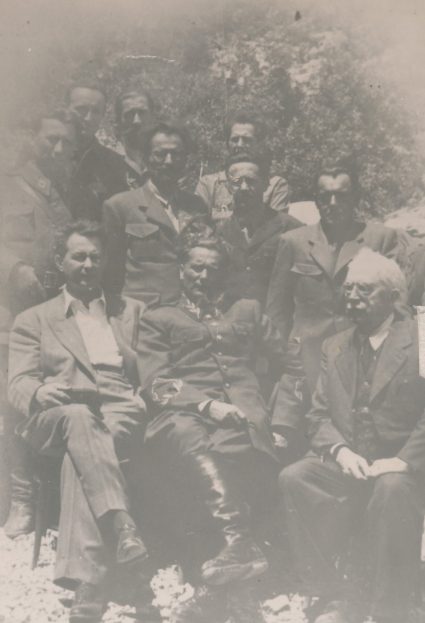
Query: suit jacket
[305, 299]
[397, 402]
[46, 346]
[213, 190]
[251, 263]
[143, 243]
[31, 211]
[184, 361]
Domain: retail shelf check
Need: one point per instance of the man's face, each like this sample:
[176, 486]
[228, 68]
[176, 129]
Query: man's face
[247, 187]
[82, 264]
[335, 199]
[368, 301]
[202, 274]
[167, 159]
[88, 106]
[242, 138]
[54, 149]
[136, 118]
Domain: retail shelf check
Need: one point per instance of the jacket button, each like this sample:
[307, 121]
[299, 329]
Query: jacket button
[219, 337]
[219, 353]
[248, 268]
[227, 385]
[224, 366]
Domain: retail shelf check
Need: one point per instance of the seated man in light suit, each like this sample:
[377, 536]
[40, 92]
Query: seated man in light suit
[366, 474]
[73, 375]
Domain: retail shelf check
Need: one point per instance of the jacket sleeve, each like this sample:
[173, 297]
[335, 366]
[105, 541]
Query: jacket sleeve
[278, 198]
[159, 380]
[25, 373]
[413, 451]
[116, 247]
[280, 296]
[321, 430]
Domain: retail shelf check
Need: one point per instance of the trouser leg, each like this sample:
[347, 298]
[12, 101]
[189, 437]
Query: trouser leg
[319, 514]
[394, 519]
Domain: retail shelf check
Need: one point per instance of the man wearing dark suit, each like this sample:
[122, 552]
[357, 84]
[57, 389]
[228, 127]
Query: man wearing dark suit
[31, 210]
[305, 300]
[366, 472]
[144, 225]
[252, 232]
[73, 375]
[195, 365]
[99, 172]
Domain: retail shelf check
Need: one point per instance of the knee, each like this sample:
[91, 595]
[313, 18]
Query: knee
[291, 477]
[391, 490]
[77, 418]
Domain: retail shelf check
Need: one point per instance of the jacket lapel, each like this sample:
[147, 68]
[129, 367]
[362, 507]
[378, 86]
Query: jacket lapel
[320, 250]
[154, 209]
[67, 332]
[392, 357]
[346, 364]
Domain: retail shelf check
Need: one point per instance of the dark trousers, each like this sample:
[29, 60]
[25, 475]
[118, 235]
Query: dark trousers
[325, 507]
[92, 484]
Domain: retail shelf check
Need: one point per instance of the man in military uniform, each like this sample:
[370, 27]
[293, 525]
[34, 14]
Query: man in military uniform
[31, 210]
[365, 476]
[100, 172]
[134, 115]
[195, 363]
[252, 232]
[243, 133]
[305, 297]
[144, 225]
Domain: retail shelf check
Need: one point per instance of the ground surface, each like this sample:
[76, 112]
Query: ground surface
[28, 596]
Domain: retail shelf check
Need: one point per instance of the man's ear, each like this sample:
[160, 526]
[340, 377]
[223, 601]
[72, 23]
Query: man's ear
[395, 295]
[59, 262]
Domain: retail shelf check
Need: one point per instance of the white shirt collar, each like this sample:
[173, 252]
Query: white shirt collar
[69, 299]
[380, 335]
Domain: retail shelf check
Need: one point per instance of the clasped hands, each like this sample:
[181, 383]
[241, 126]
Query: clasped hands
[355, 465]
[226, 414]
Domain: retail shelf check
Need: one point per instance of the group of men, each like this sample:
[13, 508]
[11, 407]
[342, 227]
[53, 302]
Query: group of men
[208, 358]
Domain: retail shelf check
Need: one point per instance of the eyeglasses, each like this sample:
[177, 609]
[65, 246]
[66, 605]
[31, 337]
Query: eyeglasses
[236, 182]
[361, 289]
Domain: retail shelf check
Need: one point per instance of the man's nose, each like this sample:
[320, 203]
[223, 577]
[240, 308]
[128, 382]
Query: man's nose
[203, 274]
[244, 185]
[168, 158]
[332, 200]
[88, 116]
[88, 263]
[137, 119]
[58, 148]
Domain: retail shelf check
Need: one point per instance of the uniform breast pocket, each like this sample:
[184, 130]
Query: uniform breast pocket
[19, 226]
[143, 241]
[187, 335]
[310, 282]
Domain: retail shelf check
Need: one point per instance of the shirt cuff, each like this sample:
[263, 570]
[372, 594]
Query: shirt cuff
[333, 450]
[204, 406]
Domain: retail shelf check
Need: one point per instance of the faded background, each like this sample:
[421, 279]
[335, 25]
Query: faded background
[328, 75]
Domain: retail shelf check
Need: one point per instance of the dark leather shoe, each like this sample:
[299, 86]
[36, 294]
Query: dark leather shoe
[131, 550]
[88, 605]
[20, 520]
[239, 560]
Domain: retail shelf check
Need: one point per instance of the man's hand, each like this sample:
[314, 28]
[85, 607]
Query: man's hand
[393, 465]
[52, 395]
[352, 464]
[226, 415]
[280, 441]
[25, 284]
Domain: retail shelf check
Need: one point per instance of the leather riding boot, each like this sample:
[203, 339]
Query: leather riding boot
[21, 513]
[240, 558]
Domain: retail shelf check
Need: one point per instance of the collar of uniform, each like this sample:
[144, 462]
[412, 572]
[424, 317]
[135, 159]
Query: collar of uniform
[35, 178]
[213, 310]
[69, 300]
[378, 337]
[358, 228]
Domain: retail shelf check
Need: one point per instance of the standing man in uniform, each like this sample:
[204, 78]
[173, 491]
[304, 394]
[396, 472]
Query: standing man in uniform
[243, 133]
[144, 225]
[31, 210]
[305, 298]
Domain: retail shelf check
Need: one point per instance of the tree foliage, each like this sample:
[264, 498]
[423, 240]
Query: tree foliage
[309, 82]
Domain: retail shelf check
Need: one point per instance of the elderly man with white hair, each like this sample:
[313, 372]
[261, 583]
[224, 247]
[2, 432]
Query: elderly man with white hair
[364, 476]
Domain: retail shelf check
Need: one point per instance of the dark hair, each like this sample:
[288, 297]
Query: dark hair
[345, 164]
[60, 114]
[123, 96]
[201, 236]
[92, 86]
[244, 117]
[84, 227]
[168, 129]
[261, 159]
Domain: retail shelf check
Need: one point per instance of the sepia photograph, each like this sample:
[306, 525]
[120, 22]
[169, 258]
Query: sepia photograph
[212, 311]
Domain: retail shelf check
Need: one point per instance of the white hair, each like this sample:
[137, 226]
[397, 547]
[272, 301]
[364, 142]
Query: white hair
[379, 269]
